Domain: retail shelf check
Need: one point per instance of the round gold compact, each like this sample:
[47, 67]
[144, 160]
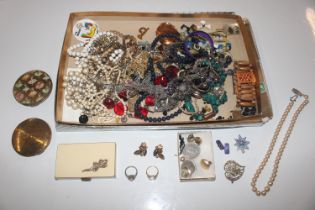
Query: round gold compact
[31, 137]
[32, 88]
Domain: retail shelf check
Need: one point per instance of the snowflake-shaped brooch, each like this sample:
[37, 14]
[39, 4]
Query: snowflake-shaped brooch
[241, 143]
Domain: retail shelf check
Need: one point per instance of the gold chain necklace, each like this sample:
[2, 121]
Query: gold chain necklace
[283, 144]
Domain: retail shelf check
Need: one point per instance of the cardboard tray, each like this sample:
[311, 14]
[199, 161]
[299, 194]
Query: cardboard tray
[243, 48]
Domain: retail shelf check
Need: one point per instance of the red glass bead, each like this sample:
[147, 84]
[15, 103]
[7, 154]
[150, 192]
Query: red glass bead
[119, 109]
[171, 71]
[164, 81]
[143, 111]
[108, 103]
[161, 80]
[123, 95]
[157, 80]
[149, 101]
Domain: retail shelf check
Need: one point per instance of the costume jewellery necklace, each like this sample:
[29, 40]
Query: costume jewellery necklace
[283, 144]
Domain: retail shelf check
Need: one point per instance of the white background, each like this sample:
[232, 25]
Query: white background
[31, 37]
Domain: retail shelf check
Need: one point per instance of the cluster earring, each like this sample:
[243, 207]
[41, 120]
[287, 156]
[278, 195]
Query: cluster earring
[191, 138]
[142, 151]
[158, 152]
[143, 148]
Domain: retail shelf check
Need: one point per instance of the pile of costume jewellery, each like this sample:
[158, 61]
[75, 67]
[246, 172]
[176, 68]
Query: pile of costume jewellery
[119, 77]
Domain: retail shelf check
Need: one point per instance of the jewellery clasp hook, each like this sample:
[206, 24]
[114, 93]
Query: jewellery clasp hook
[293, 98]
[297, 94]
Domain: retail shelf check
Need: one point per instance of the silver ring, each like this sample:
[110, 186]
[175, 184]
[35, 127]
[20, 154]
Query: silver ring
[131, 173]
[152, 172]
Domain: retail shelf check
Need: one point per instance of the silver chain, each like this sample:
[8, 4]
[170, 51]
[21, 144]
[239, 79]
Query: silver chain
[283, 144]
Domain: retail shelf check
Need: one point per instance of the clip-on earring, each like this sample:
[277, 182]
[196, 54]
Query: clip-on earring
[142, 151]
[158, 152]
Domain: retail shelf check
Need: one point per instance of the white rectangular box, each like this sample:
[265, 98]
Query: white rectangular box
[72, 159]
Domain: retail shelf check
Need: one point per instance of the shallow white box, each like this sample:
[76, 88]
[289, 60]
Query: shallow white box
[72, 159]
[206, 153]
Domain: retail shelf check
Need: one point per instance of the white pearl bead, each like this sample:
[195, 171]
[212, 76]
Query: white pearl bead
[85, 71]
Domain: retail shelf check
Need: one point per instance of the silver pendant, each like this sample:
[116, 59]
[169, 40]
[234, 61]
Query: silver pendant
[191, 150]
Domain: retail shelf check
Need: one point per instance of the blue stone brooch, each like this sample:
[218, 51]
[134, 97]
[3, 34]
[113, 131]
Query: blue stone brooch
[241, 143]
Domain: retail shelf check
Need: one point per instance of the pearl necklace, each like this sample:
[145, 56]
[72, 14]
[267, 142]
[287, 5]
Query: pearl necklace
[91, 63]
[82, 94]
[93, 68]
[283, 144]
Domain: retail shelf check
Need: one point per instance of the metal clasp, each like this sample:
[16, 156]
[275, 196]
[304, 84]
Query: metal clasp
[297, 94]
[293, 98]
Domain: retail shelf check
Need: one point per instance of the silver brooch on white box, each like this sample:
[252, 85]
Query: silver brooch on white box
[102, 163]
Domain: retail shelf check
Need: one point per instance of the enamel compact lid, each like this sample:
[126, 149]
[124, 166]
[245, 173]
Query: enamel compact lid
[32, 88]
